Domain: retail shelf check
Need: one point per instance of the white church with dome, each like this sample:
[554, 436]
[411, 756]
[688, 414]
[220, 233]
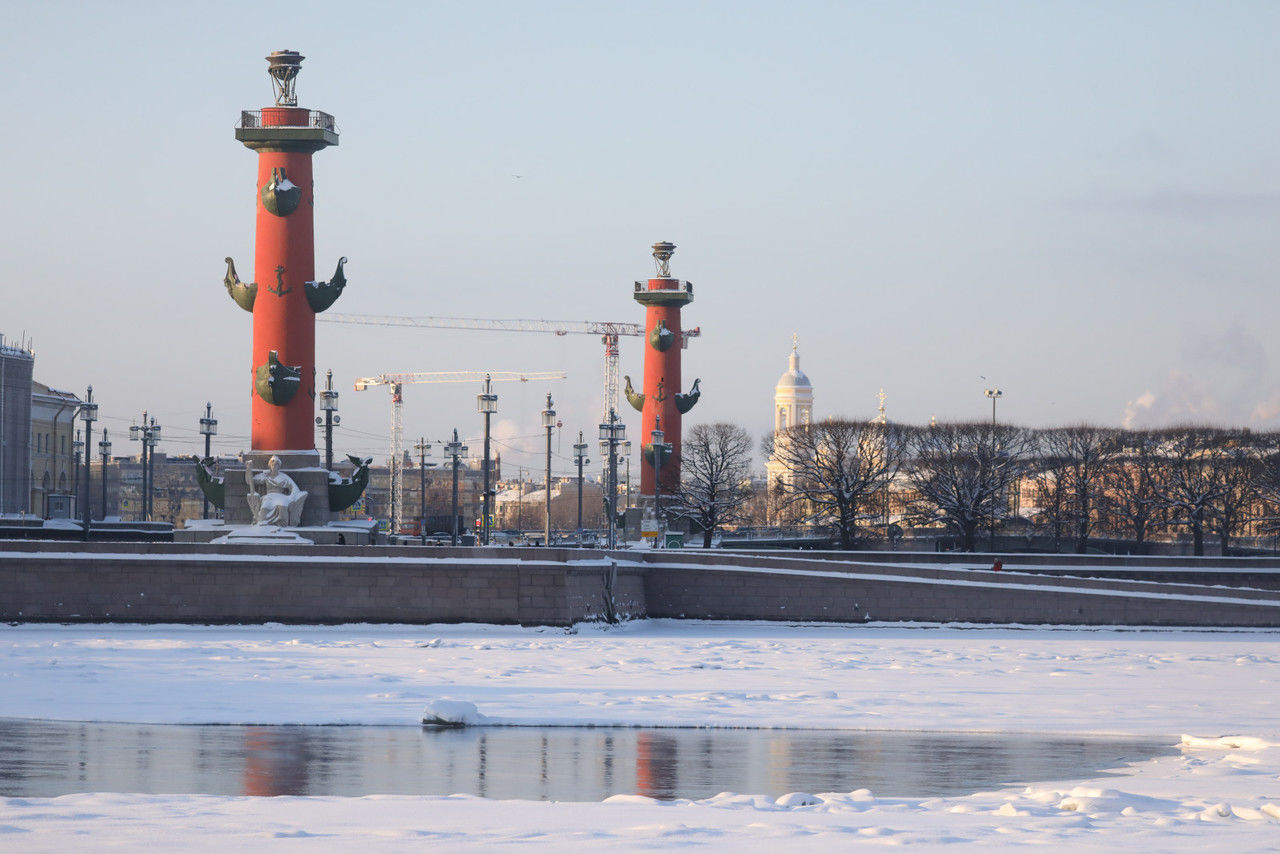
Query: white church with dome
[792, 404]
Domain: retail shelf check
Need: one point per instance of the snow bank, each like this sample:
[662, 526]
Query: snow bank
[1227, 742]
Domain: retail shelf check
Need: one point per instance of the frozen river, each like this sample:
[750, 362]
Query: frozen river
[1025, 723]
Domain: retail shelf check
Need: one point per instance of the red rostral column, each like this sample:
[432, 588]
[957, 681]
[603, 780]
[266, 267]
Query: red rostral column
[284, 297]
[661, 402]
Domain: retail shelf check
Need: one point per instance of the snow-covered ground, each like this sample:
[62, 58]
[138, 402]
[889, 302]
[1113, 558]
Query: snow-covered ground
[1219, 689]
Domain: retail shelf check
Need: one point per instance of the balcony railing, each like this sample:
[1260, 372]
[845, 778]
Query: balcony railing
[252, 119]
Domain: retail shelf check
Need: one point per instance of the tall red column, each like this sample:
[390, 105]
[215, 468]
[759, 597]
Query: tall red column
[663, 402]
[285, 297]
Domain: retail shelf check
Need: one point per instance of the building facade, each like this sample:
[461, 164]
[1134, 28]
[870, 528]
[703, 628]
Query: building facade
[16, 364]
[54, 456]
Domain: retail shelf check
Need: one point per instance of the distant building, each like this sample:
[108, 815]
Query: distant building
[16, 364]
[54, 459]
[522, 506]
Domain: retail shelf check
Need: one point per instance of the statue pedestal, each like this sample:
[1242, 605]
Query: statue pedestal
[262, 535]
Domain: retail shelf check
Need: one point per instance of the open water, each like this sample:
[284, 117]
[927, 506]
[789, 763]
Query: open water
[47, 758]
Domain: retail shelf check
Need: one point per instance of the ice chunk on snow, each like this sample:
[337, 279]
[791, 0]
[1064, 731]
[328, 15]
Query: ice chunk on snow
[1226, 742]
[452, 713]
[798, 799]
[630, 799]
[1008, 809]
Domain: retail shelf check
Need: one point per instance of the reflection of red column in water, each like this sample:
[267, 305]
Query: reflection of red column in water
[285, 298]
[655, 765]
[275, 763]
[662, 398]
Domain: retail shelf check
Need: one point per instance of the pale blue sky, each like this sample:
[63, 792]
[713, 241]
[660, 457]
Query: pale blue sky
[1077, 201]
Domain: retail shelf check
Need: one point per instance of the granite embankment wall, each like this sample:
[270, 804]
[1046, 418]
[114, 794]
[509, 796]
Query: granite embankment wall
[831, 590]
[198, 583]
[240, 584]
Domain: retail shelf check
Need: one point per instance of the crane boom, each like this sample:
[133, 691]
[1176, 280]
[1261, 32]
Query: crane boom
[417, 377]
[609, 332]
[558, 327]
[395, 381]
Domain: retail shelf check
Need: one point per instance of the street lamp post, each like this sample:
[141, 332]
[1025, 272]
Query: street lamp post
[549, 422]
[660, 451]
[580, 457]
[153, 439]
[612, 433]
[423, 448]
[88, 414]
[486, 403]
[455, 449]
[626, 454]
[994, 394]
[104, 451]
[77, 447]
[329, 404]
[135, 435]
[208, 429]
[149, 434]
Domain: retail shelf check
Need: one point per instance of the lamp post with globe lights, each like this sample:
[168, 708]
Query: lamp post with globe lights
[580, 458]
[549, 422]
[661, 453]
[454, 450]
[424, 450]
[149, 434]
[88, 414]
[995, 394]
[612, 433]
[104, 451]
[208, 429]
[487, 404]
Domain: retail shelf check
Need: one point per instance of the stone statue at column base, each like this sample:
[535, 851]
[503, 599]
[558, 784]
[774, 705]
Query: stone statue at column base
[274, 498]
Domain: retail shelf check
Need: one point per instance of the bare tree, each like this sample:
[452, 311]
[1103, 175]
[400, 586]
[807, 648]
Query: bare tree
[838, 469]
[715, 468]
[1078, 458]
[1239, 462]
[1131, 499]
[1267, 480]
[1050, 493]
[1046, 469]
[962, 475]
[1191, 483]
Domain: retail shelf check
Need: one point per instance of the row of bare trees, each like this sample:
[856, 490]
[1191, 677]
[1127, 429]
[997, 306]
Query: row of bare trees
[1076, 482]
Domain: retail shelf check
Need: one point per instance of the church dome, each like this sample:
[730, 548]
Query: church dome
[794, 377]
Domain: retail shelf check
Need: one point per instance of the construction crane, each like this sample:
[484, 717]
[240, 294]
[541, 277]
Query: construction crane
[609, 333]
[394, 383]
